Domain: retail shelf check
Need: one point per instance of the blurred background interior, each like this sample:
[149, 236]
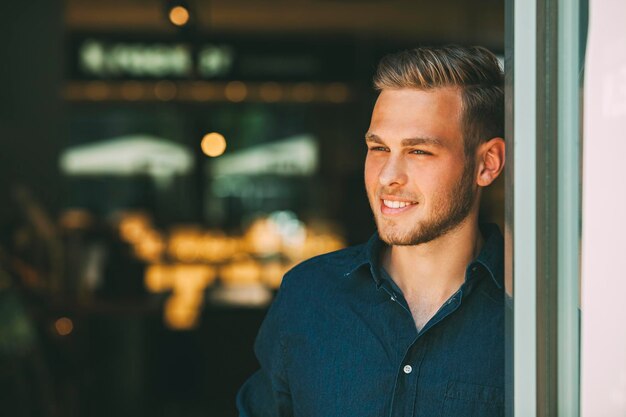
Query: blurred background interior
[162, 164]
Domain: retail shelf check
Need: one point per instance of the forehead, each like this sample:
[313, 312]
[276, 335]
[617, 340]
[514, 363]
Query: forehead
[403, 113]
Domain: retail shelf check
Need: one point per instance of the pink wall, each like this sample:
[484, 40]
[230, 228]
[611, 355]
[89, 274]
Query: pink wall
[603, 367]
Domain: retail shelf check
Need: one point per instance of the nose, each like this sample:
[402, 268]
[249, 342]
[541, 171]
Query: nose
[393, 172]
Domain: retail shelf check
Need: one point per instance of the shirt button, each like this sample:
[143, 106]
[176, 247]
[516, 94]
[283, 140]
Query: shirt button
[408, 369]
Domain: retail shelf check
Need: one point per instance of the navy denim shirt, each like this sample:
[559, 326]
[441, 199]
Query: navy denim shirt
[340, 341]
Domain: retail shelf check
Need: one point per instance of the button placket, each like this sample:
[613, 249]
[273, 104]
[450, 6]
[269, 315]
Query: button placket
[405, 390]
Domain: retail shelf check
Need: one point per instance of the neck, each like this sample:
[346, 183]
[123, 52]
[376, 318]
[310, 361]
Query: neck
[435, 269]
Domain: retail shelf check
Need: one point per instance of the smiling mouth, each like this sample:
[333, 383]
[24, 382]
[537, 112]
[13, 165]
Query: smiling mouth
[393, 204]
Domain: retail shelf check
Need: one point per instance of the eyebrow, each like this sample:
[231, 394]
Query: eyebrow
[371, 137]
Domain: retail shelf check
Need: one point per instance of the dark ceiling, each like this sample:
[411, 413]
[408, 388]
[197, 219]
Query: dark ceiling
[477, 21]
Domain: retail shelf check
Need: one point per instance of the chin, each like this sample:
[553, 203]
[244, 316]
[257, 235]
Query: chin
[395, 237]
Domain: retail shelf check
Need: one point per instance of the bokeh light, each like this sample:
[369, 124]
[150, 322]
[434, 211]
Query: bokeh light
[303, 92]
[270, 92]
[337, 92]
[213, 144]
[236, 91]
[64, 326]
[179, 16]
[132, 90]
[97, 90]
[165, 90]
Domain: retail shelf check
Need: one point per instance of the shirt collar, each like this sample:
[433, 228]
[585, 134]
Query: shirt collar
[369, 256]
[491, 256]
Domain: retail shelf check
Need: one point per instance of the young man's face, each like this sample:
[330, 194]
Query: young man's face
[419, 183]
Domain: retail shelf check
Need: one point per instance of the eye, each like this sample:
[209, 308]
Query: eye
[378, 149]
[419, 152]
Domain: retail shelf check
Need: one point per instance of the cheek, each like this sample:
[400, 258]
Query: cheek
[436, 179]
[371, 173]
[442, 182]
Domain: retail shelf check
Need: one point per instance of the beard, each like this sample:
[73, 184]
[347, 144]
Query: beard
[448, 210]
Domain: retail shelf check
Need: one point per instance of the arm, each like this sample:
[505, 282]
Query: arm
[266, 393]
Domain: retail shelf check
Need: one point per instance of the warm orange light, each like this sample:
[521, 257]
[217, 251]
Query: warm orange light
[318, 243]
[337, 92]
[133, 227]
[64, 326]
[202, 91]
[181, 313]
[272, 273]
[236, 91]
[213, 144]
[270, 92]
[158, 278]
[150, 247]
[97, 90]
[217, 248]
[241, 273]
[303, 92]
[165, 90]
[263, 237]
[184, 244]
[192, 278]
[132, 90]
[76, 219]
[179, 16]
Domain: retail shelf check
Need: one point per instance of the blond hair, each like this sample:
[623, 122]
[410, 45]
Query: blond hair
[474, 70]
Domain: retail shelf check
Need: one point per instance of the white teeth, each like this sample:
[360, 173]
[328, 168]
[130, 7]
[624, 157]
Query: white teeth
[396, 204]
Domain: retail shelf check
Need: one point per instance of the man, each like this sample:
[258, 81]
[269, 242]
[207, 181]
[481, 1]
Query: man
[411, 323]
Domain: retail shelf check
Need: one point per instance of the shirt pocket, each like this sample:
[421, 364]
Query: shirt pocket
[472, 400]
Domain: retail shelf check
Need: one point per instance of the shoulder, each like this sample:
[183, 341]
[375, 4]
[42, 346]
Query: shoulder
[323, 270]
[329, 264]
[313, 284]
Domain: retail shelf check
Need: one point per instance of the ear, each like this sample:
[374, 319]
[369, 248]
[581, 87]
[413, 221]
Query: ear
[491, 155]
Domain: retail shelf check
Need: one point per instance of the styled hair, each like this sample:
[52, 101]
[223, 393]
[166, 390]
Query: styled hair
[474, 70]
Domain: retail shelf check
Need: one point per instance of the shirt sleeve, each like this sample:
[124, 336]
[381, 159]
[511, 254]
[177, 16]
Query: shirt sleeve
[266, 393]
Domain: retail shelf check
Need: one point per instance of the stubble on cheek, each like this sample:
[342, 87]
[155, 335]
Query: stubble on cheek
[443, 212]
